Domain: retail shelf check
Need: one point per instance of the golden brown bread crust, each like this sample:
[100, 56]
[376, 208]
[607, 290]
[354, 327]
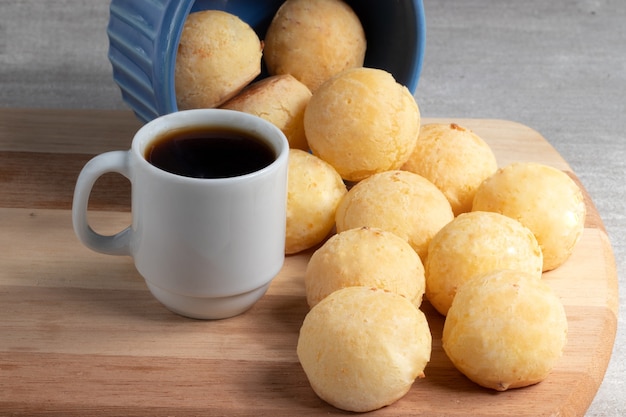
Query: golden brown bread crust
[362, 122]
[453, 158]
[365, 257]
[314, 40]
[279, 99]
[314, 191]
[542, 198]
[475, 244]
[362, 348]
[505, 330]
[400, 202]
[218, 55]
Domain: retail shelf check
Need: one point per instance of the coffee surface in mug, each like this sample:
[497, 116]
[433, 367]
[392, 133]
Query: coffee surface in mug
[209, 153]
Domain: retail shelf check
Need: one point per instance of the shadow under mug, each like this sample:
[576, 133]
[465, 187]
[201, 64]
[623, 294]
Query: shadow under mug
[208, 248]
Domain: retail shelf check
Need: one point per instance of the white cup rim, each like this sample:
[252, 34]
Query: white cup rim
[214, 118]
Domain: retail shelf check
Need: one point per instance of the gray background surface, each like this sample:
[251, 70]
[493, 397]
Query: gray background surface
[557, 66]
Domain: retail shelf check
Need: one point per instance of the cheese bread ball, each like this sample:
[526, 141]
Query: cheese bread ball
[505, 330]
[281, 100]
[314, 40]
[362, 122]
[542, 198]
[453, 158]
[314, 190]
[362, 348]
[400, 202]
[475, 244]
[365, 257]
[218, 55]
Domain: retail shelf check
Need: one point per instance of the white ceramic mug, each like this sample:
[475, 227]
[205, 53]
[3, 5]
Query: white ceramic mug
[207, 248]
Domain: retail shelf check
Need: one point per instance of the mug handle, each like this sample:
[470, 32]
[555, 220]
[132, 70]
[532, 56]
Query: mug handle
[119, 243]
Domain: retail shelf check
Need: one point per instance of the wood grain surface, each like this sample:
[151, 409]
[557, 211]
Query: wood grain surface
[81, 335]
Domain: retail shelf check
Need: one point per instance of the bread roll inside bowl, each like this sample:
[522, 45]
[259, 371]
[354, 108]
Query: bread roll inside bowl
[362, 348]
[218, 55]
[472, 245]
[505, 330]
[314, 190]
[362, 122]
[542, 198]
[453, 158]
[144, 38]
[280, 100]
[400, 202]
[365, 257]
[314, 40]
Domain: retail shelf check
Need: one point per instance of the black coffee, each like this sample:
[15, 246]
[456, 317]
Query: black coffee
[209, 153]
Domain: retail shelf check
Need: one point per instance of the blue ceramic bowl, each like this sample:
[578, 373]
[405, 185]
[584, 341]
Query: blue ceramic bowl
[144, 36]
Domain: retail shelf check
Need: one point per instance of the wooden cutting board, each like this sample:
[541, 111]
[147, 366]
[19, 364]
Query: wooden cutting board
[81, 335]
